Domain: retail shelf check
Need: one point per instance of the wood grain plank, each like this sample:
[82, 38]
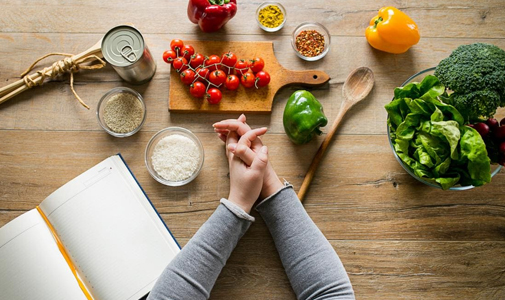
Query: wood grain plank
[377, 270]
[359, 192]
[53, 107]
[434, 270]
[470, 19]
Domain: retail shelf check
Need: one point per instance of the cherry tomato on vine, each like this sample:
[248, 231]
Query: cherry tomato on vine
[248, 80]
[212, 62]
[180, 64]
[241, 67]
[187, 51]
[169, 56]
[229, 59]
[196, 60]
[262, 79]
[214, 96]
[197, 89]
[232, 82]
[188, 76]
[203, 72]
[256, 64]
[176, 45]
[217, 77]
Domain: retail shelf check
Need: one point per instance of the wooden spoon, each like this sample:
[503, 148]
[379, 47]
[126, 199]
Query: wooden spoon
[356, 87]
[19, 86]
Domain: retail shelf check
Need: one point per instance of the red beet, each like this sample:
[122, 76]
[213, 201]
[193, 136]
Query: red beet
[482, 128]
[502, 147]
[499, 133]
[492, 123]
[502, 122]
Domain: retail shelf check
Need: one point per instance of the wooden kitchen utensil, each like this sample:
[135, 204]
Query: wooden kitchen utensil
[70, 65]
[242, 100]
[356, 87]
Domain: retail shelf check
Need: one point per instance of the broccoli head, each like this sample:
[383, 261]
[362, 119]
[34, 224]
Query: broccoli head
[476, 104]
[476, 75]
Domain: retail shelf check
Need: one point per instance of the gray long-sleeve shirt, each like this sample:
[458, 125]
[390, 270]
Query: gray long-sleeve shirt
[313, 268]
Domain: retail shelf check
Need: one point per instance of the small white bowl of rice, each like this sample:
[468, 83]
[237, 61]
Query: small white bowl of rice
[174, 156]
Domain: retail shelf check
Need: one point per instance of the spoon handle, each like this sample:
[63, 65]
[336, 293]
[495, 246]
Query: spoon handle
[320, 153]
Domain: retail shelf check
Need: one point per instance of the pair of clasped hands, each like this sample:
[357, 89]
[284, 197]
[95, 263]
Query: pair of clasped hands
[251, 174]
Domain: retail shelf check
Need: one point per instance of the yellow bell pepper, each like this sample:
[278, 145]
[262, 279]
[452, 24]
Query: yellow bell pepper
[392, 31]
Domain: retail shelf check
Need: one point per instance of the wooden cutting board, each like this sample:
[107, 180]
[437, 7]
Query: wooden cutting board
[242, 100]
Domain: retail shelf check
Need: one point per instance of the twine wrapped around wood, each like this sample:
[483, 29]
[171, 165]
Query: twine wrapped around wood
[67, 65]
[70, 64]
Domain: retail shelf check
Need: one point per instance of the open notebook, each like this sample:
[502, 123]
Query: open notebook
[112, 242]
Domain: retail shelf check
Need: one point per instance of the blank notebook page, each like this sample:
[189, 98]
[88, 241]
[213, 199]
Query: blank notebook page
[31, 265]
[114, 237]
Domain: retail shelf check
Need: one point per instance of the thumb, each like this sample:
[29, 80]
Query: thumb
[260, 162]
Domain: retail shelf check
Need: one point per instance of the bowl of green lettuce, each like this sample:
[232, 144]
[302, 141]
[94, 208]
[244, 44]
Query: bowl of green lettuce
[430, 140]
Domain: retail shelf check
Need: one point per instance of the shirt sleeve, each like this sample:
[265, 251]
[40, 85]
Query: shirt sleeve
[194, 271]
[312, 265]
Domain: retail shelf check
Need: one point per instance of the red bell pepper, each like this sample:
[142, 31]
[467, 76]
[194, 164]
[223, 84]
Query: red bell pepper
[211, 15]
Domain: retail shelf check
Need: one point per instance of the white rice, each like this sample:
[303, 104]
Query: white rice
[175, 157]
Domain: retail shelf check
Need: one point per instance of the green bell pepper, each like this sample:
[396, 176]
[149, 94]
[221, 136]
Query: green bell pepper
[303, 116]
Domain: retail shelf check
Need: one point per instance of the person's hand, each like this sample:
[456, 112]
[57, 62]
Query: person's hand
[246, 179]
[271, 182]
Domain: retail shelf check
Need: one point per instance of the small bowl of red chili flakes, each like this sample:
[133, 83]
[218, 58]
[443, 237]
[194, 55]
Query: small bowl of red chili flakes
[311, 41]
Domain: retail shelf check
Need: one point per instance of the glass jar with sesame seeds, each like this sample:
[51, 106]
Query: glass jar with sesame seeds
[121, 112]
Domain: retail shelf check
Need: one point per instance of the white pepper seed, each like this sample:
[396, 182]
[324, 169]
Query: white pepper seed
[123, 113]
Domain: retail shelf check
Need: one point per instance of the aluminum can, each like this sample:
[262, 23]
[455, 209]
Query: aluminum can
[125, 49]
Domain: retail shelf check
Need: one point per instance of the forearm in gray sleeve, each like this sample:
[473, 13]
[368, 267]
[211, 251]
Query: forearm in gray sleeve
[312, 265]
[193, 272]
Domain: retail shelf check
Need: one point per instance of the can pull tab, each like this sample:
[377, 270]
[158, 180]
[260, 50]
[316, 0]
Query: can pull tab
[128, 54]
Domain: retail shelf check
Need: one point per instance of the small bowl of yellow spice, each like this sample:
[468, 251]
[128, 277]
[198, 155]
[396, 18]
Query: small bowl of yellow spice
[271, 16]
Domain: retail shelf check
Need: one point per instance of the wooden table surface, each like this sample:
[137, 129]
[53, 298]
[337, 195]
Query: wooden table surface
[397, 238]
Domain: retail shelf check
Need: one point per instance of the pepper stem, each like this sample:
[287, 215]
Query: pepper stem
[380, 19]
[318, 131]
[219, 2]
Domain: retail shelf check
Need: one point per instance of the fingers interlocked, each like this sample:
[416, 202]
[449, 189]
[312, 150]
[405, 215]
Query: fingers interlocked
[243, 149]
